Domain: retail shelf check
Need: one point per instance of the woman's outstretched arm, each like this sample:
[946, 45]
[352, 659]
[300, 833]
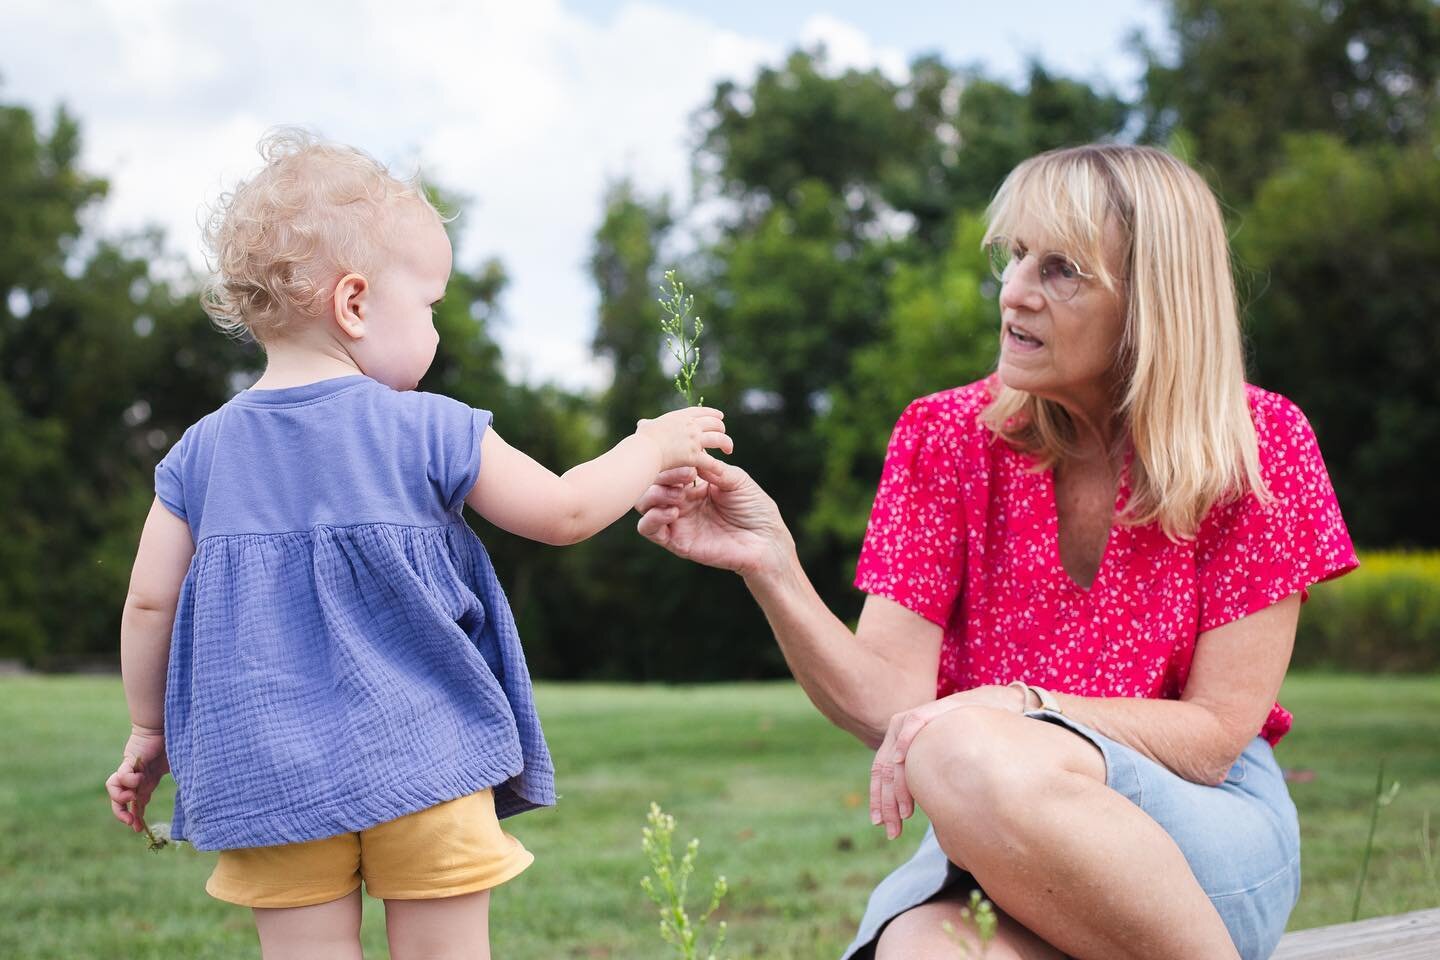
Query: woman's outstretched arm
[859, 679]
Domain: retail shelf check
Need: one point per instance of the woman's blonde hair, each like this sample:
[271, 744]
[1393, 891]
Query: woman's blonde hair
[1181, 364]
[277, 243]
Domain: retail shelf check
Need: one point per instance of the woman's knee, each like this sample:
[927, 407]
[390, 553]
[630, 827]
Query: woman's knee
[986, 757]
[973, 756]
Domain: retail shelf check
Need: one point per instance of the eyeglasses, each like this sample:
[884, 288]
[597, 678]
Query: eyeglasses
[1059, 275]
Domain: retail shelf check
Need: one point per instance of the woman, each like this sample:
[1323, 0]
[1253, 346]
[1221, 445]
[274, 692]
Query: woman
[1084, 575]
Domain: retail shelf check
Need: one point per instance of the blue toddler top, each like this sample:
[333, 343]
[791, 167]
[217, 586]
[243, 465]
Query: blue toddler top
[343, 653]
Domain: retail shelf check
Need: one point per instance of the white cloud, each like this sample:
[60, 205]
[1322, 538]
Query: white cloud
[526, 108]
[849, 47]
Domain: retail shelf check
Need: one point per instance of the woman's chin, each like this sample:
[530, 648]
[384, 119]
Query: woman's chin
[1017, 377]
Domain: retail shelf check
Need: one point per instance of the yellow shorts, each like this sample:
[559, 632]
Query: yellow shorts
[451, 849]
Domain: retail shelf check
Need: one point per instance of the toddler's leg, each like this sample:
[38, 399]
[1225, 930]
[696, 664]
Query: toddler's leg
[325, 931]
[448, 928]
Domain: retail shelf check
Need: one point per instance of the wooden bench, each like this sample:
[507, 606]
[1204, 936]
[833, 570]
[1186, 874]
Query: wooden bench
[1408, 936]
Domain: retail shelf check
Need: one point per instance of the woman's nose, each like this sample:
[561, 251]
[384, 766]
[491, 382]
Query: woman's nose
[1021, 289]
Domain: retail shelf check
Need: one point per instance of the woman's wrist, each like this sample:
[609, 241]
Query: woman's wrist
[778, 566]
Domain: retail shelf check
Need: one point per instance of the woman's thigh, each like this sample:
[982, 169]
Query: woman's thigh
[1241, 839]
[941, 930]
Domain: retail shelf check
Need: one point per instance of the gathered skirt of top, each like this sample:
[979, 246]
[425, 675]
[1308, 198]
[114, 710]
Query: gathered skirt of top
[325, 681]
[1241, 839]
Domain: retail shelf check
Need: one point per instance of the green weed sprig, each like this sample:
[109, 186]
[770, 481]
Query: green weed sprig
[1383, 798]
[669, 887]
[677, 304]
[1427, 857]
[981, 913]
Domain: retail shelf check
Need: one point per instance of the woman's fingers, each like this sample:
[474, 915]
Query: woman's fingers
[675, 477]
[725, 476]
[671, 487]
[915, 721]
[882, 782]
[658, 496]
[654, 525]
[707, 462]
[904, 803]
[877, 774]
[890, 800]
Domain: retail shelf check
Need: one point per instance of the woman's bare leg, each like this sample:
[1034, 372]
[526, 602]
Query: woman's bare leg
[325, 931]
[1023, 805]
[449, 928]
[919, 934]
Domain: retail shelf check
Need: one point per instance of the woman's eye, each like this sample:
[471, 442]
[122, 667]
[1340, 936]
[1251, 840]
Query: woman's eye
[1058, 266]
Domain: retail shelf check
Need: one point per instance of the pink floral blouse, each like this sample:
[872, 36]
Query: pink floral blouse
[964, 533]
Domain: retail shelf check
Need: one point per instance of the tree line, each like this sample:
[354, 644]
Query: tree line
[843, 279]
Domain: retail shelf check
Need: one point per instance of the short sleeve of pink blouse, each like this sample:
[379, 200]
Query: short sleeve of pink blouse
[1249, 554]
[914, 549]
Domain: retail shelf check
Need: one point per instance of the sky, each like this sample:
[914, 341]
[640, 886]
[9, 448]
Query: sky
[526, 109]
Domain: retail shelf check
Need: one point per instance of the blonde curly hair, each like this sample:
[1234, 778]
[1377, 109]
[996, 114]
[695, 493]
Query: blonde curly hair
[279, 241]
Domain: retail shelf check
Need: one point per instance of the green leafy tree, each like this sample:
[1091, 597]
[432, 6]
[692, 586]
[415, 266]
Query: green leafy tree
[1243, 74]
[100, 367]
[847, 187]
[941, 331]
[1343, 321]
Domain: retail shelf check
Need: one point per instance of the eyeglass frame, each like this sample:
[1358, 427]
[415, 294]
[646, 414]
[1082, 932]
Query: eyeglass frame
[1003, 244]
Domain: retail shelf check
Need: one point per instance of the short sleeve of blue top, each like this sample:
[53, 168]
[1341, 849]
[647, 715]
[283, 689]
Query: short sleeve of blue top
[343, 653]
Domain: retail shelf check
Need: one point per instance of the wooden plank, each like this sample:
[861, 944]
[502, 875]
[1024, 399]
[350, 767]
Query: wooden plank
[1407, 936]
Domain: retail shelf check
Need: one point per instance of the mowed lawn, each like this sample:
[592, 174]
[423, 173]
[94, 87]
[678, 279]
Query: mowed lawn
[775, 794]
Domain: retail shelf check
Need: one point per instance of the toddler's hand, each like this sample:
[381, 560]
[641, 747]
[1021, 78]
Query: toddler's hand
[131, 785]
[683, 436]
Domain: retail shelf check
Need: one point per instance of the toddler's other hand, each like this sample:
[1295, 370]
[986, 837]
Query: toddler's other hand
[683, 436]
[131, 785]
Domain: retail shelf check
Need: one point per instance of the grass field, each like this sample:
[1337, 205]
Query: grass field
[775, 794]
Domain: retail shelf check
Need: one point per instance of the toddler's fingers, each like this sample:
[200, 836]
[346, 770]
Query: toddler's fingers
[120, 808]
[706, 412]
[709, 423]
[722, 441]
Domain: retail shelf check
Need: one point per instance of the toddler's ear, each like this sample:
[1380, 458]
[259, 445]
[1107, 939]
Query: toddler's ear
[348, 303]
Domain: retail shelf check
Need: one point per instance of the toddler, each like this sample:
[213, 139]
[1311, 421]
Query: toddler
[314, 642]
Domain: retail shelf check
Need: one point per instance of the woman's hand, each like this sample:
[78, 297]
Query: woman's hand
[890, 800]
[720, 518]
[131, 785]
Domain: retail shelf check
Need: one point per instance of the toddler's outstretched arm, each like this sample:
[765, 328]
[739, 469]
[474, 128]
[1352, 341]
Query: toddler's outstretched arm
[160, 566]
[519, 495]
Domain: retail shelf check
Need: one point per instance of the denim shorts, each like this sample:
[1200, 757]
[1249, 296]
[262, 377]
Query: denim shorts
[1241, 839]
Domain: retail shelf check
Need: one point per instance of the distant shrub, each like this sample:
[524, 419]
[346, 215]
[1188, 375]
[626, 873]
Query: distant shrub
[1382, 617]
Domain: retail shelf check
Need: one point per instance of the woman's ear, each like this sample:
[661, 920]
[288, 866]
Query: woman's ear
[348, 303]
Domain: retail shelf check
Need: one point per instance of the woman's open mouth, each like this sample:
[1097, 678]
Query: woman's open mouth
[1022, 339]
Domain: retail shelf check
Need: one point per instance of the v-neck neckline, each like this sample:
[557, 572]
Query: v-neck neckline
[1052, 528]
